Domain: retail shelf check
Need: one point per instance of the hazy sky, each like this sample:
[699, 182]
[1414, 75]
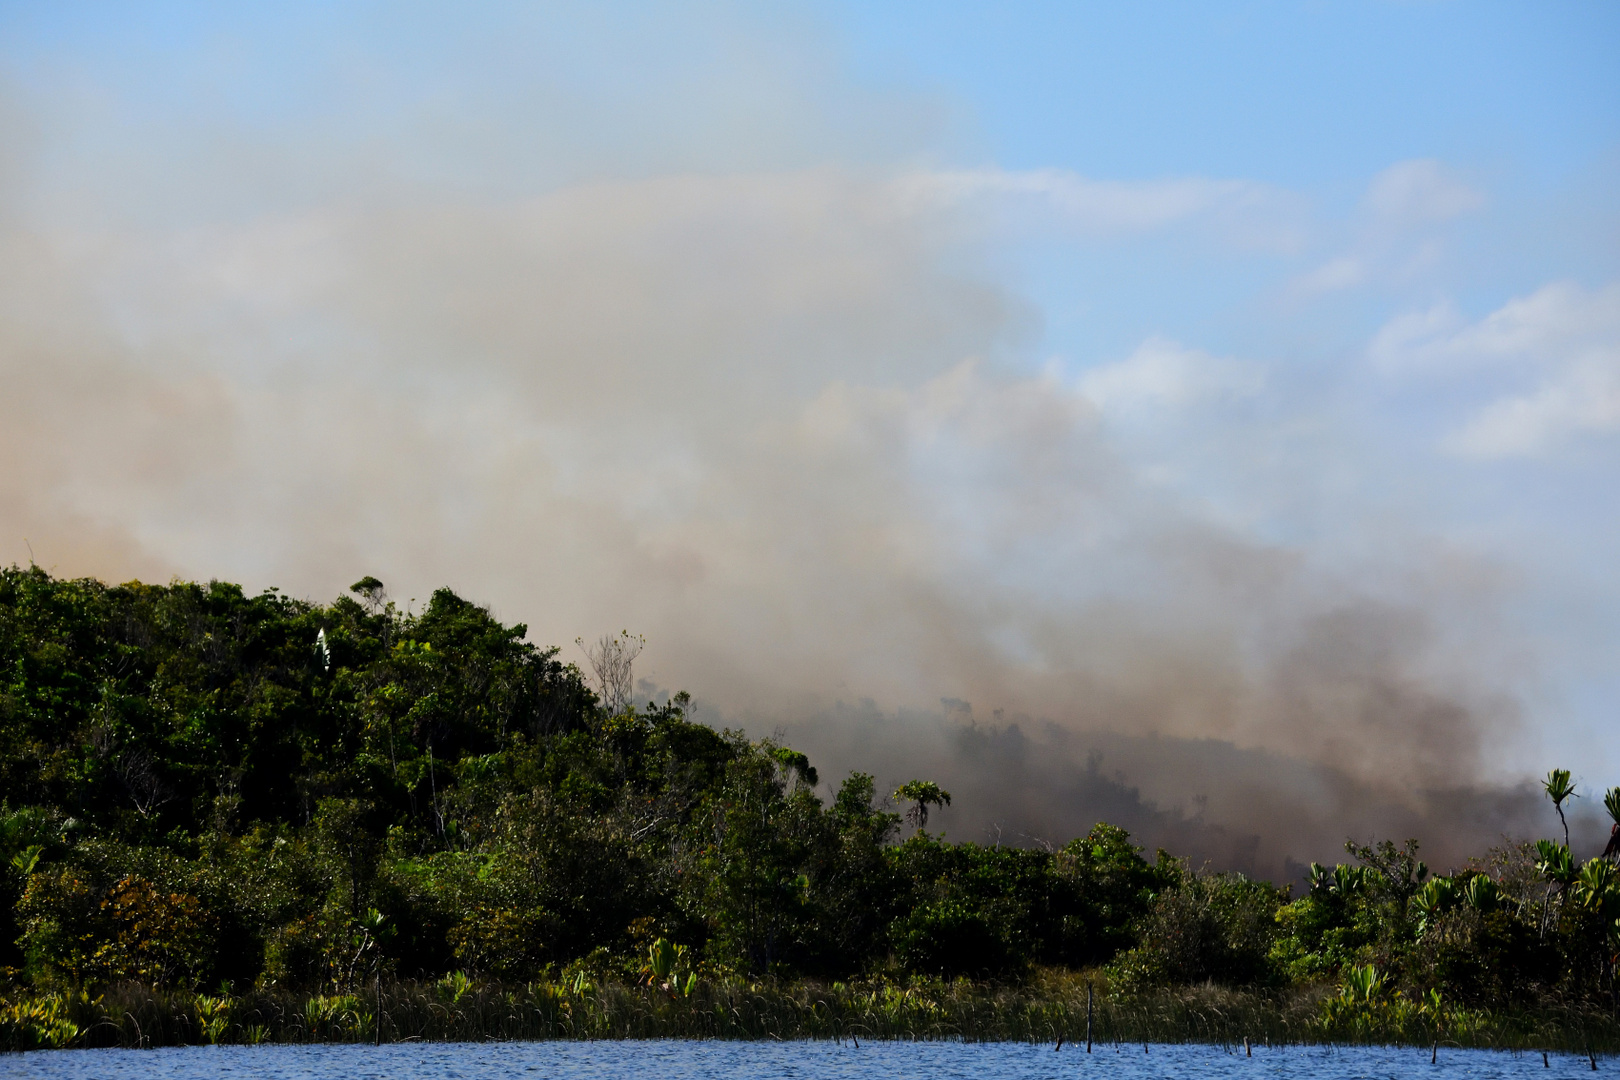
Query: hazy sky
[1246, 372]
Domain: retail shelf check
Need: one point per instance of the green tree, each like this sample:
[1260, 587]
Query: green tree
[1559, 788]
[921, 794]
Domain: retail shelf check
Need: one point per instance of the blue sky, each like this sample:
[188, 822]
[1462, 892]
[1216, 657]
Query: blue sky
[1012, 354]
[1295, 94]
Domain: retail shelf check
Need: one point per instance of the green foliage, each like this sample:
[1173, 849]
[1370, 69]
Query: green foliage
[795, 765]
[1050, 1007]
[1559, 788]
[950, 938]
[1362, 984]
[204, 788]
[669, 967]
[1555, 863]
[1102, 888]
[1436, 897]
[1482, 894]
[921, 794]
[42, 1022]
[1365, 1011]
[1205, 927]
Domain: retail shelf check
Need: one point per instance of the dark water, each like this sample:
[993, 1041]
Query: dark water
[747, 1061]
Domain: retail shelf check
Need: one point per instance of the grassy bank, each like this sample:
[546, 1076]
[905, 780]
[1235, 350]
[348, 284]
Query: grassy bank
[1043, 1011]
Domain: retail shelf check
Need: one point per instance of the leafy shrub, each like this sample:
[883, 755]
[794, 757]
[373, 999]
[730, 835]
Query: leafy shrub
[948, 938]
[499, 942]
[1207, 927]
[153, 936]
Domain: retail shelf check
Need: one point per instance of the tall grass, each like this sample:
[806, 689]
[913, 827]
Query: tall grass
[1044, 1010]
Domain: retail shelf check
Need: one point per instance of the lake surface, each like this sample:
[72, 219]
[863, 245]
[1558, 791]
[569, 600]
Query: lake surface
[660, 1060]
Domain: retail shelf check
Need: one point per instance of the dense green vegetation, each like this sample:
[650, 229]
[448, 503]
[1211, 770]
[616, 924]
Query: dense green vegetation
[270, 807]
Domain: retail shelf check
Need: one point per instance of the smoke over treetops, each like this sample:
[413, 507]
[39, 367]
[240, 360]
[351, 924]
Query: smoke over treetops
[792, 410]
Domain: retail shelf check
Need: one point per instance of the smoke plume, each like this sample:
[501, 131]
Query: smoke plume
[783, 412]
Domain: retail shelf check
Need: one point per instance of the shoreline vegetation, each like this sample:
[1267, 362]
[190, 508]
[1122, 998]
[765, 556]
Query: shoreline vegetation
[254, 819]
[1044, 1010]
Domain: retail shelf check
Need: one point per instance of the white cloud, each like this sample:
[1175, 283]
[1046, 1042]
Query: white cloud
[1164, 374]
[1344, 272]
[1550, 362]
[1417, 341]
[1395, 237]
[1584, 397]
[1099, 205]
[1542, 330]
[1420, 191]
[1547, 324]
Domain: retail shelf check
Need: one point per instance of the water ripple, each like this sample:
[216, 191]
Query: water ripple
[675, 1060]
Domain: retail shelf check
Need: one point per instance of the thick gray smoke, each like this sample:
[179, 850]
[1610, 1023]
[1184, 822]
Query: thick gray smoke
[1268, 815]
[786, 421]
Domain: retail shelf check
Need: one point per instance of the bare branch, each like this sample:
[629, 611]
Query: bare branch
[612, 660]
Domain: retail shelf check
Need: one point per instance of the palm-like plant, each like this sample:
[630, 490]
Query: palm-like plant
[1554, 863]
[1362, 984]
[666, 963]
[1482, 894]
[1436, 897]
[1611, 803]
[921, 794]
[1349, 880]
[1597, 887]
[1558, 788]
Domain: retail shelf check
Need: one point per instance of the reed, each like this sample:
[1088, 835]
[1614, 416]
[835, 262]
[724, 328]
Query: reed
[1043, 1010]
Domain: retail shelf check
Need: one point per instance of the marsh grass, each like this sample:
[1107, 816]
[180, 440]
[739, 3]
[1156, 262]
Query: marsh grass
[1049, 1006]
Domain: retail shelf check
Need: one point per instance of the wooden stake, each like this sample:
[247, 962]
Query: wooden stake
[1088, 1018]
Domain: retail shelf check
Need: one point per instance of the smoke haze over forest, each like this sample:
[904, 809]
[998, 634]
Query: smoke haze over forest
[1026, 434]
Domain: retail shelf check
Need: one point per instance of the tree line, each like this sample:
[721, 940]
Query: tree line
[211, 791]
